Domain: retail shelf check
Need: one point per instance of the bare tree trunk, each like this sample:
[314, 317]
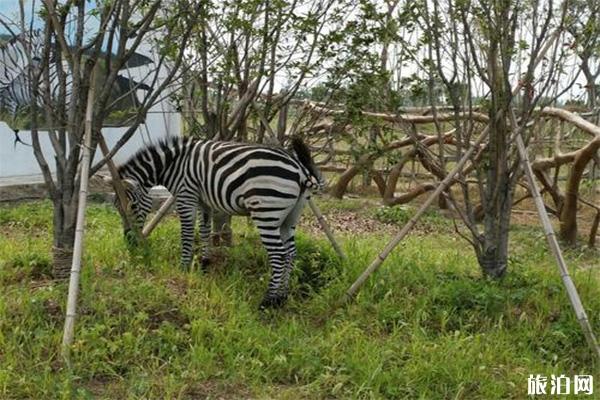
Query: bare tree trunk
[590, 86]
[65, 218]
[498, 188]
[594, 231]
[337, 191]
[282, 124]
[568, 216]
[373, 134]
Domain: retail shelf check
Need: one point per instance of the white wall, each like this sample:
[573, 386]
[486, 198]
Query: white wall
[161, 121]
[16, 161]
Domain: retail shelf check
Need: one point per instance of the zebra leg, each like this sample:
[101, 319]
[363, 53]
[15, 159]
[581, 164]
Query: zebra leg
[187, 216]
[271, 239]
[287, 237]
[205, 227]
[287, 230]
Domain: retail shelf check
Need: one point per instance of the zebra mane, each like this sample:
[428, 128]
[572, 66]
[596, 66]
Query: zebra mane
[163, 145]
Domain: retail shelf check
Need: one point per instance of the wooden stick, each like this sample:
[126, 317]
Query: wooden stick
[325, 226]
[594, 231]
[71, 314]
[162, 211]
[553, 242]
[118, 186]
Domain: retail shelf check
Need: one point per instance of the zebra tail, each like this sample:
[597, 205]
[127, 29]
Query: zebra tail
[303, 153]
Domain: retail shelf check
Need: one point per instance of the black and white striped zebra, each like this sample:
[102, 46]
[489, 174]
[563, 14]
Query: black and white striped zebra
[269, 184]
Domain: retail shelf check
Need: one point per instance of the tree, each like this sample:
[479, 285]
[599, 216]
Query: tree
[252, 58]
[60, 65]
[474, 44]
[584, 27]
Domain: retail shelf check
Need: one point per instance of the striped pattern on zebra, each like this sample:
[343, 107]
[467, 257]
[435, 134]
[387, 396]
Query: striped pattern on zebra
[15, 54]
[269, 184]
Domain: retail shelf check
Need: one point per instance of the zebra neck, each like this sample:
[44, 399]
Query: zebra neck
[170, 169]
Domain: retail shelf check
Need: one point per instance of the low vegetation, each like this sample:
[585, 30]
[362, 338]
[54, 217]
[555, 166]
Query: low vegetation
[427, 325]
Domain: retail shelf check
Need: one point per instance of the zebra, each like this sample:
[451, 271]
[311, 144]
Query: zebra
[269, 184]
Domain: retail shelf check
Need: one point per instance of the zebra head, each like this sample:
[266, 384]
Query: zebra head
[139, 203]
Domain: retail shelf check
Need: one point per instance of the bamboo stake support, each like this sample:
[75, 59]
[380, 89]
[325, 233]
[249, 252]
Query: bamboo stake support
[325, 226]
[71, 314]
[162, 211]
[553, 243]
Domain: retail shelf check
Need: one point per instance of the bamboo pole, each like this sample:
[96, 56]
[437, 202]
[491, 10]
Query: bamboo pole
[376, 263]
[553, 242]
[325, 226]
[73, 293]
[162, 211]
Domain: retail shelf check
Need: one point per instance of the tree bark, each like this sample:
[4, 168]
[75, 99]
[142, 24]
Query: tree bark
[568, 215]
[594, 231]
[498, 188]
[65, 218]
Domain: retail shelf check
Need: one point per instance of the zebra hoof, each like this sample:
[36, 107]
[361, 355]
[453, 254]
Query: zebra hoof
[204, 263]
[272, 302]
[130, 237]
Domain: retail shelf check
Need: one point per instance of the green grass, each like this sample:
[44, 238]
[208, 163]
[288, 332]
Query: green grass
[426, 326]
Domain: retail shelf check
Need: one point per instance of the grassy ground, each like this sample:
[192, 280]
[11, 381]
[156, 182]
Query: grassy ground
[426, 326]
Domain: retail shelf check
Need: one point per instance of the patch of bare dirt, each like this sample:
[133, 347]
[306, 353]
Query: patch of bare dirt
[346, 222]
[178, 286]
[217, 391]
[104, 387]
[172, 315]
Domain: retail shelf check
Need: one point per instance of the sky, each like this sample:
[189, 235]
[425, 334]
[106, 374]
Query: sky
[9, 13]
